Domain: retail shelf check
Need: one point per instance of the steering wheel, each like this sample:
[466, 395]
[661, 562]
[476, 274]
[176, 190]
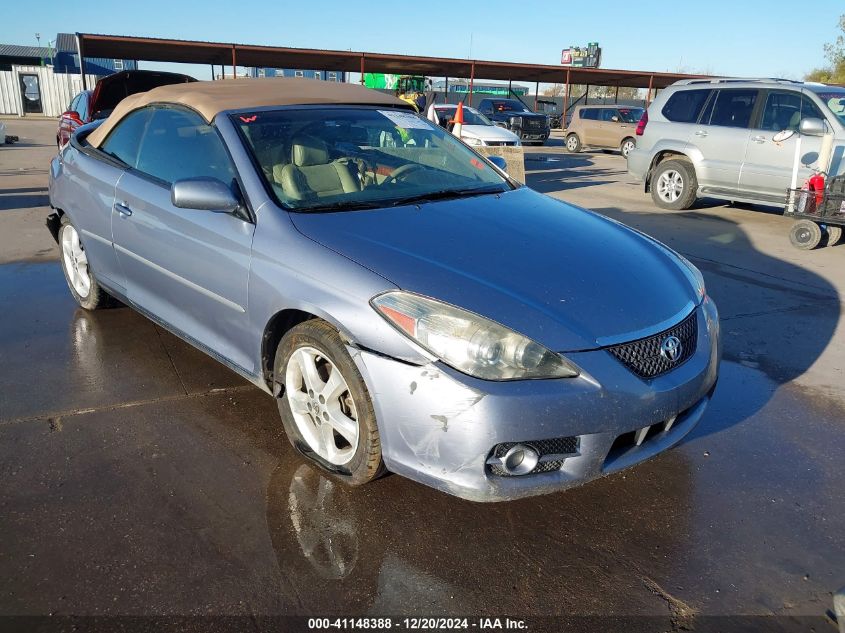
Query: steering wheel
[404, 170]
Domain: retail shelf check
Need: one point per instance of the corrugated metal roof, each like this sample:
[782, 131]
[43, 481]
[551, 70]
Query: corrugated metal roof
[66, 42]
[14, 50]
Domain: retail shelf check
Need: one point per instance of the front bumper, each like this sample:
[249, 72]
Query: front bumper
[439, 427]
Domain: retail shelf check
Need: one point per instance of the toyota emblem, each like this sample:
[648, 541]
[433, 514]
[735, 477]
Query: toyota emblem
[671, 348]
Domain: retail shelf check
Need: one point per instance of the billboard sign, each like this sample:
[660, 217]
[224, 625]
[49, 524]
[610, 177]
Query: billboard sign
[588, 56]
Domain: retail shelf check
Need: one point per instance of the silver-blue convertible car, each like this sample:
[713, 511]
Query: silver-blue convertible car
[411, 308]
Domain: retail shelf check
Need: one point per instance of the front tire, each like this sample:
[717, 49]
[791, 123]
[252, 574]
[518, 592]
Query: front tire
[573, 143]
[805, 235]
[80, 279]
[325, 405]
[834, 234]
[674, 185]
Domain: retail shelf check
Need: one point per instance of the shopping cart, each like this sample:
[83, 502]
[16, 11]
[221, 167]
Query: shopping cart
[818, 214]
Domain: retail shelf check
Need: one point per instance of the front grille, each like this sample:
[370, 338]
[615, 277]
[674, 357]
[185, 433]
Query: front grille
[533, 124]
[499, 143]
[643, 356]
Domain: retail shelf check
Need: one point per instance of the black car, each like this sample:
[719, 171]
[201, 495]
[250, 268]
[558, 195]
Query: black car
[531, 127]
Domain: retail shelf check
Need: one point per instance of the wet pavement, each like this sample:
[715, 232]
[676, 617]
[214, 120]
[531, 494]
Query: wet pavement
[140, 477]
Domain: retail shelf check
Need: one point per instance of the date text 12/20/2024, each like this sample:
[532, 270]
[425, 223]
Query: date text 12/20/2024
[416, 624]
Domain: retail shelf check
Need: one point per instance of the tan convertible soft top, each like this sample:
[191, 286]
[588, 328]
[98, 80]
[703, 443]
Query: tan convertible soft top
[209, 98]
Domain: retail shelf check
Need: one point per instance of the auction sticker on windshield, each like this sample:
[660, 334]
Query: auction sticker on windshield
[406, 120]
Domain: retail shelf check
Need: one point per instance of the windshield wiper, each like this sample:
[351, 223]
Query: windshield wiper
[445, 194]
[349, 205]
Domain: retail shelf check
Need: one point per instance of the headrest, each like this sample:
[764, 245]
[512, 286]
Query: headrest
[308, 150]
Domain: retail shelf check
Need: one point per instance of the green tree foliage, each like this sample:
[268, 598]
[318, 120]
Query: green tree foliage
[835, 53]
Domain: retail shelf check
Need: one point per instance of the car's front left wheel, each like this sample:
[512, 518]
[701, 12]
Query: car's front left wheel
[80, 278]
[324, 403]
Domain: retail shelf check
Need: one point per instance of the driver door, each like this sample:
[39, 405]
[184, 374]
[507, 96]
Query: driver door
[188, 267]
[767, 170]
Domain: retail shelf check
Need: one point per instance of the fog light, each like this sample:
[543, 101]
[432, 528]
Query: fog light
[520, 460]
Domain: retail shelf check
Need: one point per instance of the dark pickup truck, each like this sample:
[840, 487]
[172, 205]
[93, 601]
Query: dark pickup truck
[529, 126]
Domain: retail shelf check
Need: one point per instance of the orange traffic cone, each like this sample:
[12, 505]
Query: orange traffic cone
[458, 120]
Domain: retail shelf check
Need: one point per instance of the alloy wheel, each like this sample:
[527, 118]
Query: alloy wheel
[670, 185]
[75, 261]
[322, 405]
[627, 146]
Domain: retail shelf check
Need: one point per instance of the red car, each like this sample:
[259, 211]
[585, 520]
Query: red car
[90, 105]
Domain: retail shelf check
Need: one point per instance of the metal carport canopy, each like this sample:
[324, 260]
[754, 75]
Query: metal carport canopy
[196, 52]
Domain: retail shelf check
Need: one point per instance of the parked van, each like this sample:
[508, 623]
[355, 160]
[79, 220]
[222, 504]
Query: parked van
[606, 127]
[720, 138]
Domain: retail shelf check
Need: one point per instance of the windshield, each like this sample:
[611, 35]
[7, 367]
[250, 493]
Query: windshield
[834, 99]
[342, 158]
[510, 105]
[631, 115]
[471, 117]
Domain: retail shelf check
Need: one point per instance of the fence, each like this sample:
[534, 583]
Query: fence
[57, 89]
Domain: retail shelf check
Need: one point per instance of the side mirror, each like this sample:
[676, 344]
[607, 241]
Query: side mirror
[499, 162]
[615, 119]
[811, 127]
[205, 194]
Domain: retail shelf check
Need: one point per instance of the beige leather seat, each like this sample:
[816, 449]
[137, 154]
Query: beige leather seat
[311, 174]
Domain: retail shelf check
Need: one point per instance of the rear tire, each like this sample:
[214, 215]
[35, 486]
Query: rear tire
[834, 235]
[627, 145]
[80, 279]
[573, 143]
[328, 418]
[674, 185]
[805, 235]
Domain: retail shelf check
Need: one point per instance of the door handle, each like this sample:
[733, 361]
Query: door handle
[701, 133]
[122, 209]
[759, 138]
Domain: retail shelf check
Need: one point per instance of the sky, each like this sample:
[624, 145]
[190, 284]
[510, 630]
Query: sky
[752, 38]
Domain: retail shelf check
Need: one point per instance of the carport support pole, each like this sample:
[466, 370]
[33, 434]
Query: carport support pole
[616, 97]
[362, 70]
[510, 90]
[234, 63]
[650, 84]
[536, 94]
[565, 102]
[471, 81]
[80, 49]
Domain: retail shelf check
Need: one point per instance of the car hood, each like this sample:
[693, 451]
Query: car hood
[489, 133]
[568, 278]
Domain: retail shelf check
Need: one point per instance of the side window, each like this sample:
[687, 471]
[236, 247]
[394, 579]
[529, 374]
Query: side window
[178, 144]
[781, 112]
[733, 108]
[591, 114]
[607, 114]
[685, 105]
[74, 104]
[123, 141]
[82, 106]
[809, 109]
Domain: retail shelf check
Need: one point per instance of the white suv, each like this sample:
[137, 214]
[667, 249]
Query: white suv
[715, 138]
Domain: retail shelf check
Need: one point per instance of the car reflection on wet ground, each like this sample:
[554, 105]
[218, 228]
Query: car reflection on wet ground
[138, 477]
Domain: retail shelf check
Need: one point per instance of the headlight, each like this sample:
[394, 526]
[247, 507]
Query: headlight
[468, 342]
[469, 140]
[695, 276]
[516, 121]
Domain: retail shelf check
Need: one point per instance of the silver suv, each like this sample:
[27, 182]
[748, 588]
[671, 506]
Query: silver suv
[715, 138]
